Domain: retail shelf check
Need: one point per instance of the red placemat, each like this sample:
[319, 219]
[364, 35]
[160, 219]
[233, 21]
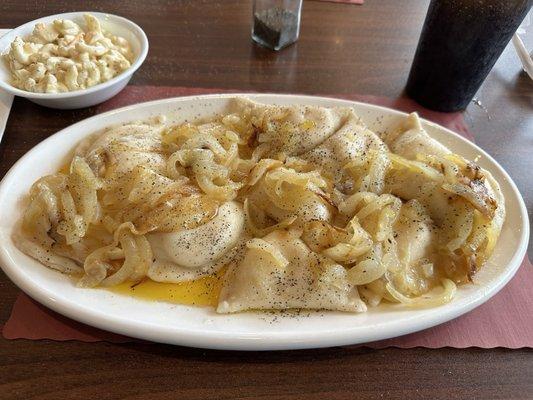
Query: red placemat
[504, 321]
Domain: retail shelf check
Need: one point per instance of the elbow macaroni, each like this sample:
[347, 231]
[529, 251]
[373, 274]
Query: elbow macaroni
[62, 57]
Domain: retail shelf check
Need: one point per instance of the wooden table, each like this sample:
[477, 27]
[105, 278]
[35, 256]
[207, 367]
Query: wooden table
[343, 49]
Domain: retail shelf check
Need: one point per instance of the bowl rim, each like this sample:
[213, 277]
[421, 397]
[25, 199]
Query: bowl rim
[132, 26]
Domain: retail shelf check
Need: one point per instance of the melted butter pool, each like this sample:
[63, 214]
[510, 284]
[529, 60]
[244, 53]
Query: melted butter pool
[200, 292]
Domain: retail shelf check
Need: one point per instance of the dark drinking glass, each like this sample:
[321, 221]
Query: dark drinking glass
[460, 42]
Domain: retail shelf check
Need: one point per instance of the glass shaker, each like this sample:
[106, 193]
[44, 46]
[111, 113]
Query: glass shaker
[276, 23]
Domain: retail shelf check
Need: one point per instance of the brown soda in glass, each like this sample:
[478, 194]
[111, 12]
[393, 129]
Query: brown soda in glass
[460, 42]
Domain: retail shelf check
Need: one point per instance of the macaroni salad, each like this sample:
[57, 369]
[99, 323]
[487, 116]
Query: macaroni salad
[62, 57]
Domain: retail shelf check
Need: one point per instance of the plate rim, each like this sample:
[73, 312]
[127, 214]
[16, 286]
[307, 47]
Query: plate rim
[232, 341]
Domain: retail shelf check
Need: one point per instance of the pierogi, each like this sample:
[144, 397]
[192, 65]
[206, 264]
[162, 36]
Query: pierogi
[295, 207]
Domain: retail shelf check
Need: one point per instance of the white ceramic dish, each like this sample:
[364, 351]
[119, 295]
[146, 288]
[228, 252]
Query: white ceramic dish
[86, 97]
[202, 327]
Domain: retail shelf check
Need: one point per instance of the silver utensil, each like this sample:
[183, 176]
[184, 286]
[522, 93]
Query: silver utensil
[6, 100]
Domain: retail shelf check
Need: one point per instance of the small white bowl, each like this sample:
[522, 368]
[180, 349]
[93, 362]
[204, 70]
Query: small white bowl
[86, 97]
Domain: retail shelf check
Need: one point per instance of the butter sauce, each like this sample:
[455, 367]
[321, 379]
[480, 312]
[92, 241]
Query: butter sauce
[199, 292]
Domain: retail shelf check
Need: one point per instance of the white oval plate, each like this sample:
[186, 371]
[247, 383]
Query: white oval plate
[202, 327]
